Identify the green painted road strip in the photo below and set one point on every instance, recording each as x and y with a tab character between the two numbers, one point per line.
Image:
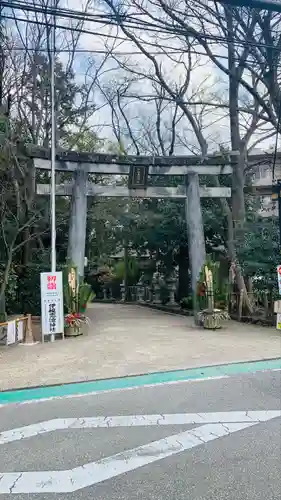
79	388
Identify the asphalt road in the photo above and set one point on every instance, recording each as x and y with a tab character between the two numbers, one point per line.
200	451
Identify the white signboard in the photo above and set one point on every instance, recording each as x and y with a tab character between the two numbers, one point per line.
52	317
277	306
11	332
20	331
279	278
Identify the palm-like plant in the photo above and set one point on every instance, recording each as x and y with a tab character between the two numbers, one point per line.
85	295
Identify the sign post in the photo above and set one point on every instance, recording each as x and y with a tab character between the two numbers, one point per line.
52	317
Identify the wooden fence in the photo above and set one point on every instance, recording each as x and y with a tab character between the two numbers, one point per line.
16	330
262	303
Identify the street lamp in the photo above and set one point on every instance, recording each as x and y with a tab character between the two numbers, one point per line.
53	148
53	145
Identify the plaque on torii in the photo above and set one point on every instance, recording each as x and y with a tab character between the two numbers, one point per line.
138	177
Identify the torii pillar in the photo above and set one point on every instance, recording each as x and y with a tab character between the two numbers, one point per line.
195	231
78	220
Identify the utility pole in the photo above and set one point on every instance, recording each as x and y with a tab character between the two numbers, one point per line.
276	196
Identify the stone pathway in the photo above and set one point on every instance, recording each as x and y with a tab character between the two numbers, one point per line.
130	340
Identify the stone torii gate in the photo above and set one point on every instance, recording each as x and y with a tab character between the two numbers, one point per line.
137	169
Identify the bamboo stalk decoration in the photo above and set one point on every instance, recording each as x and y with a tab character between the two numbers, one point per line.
211	318
210	288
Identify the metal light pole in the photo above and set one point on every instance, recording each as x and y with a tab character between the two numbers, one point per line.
53	151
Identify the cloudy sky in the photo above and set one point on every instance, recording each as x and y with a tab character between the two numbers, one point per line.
105	56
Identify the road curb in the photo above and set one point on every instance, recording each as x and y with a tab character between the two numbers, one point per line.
130	382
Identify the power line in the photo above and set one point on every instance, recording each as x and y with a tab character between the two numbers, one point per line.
212	38
108	19
83	30
75	29
117	52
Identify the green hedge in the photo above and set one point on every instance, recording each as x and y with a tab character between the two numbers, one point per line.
26	296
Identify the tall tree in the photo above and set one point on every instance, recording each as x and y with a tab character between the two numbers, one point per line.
191	28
